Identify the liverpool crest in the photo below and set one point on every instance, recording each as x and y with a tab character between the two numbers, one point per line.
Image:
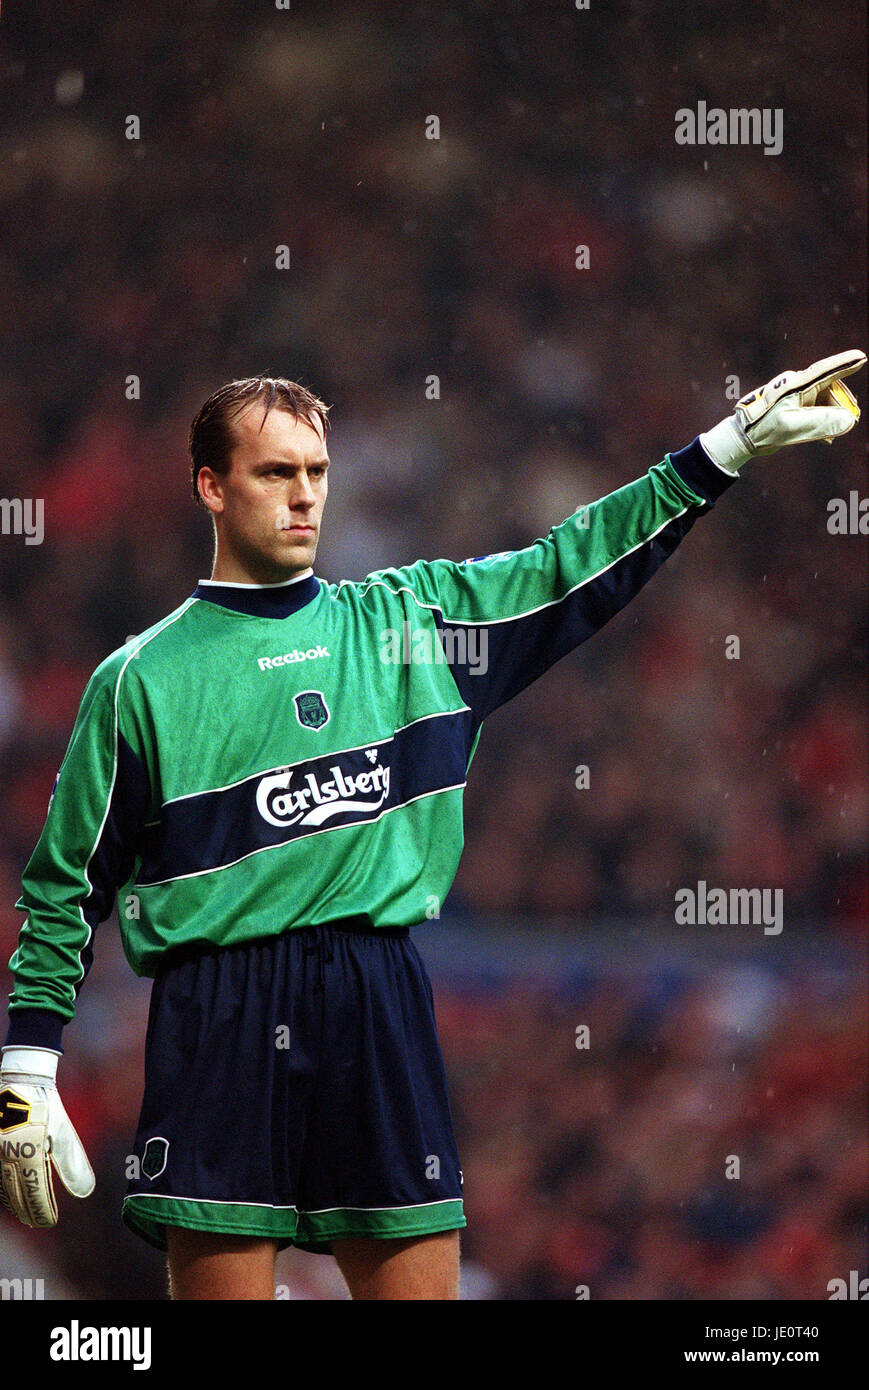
154	1158
311	710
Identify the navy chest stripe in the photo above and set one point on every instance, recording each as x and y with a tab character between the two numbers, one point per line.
218	828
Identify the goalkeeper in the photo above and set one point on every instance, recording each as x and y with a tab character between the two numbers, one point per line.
282	800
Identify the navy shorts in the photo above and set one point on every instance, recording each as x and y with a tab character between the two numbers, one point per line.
295	1089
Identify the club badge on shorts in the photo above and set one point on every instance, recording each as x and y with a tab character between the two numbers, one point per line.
154	1158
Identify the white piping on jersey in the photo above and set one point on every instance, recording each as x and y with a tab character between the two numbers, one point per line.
166	623
282	844
337	753
281	583
513	617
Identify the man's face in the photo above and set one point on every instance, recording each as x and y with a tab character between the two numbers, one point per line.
269	505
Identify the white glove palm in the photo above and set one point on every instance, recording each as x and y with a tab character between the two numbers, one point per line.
793	408
35	1132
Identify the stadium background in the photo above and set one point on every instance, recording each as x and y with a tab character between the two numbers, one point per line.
412	257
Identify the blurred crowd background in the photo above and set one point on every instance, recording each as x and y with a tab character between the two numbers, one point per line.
454	258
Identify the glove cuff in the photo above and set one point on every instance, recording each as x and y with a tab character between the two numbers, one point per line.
30	1061
727	445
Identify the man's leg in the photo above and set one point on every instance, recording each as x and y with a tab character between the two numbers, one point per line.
208	1265
420	1267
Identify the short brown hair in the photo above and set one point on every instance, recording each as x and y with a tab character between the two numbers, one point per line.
211	440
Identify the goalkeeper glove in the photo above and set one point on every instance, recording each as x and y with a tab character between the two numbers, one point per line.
34	1127
793	408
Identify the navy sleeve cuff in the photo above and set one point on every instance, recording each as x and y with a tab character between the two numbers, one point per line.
704	477
35	1028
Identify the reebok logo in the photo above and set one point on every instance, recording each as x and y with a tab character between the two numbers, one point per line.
268	663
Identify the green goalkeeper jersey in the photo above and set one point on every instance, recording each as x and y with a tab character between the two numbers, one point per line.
273	757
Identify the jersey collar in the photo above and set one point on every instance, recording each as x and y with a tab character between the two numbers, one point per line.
261	600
